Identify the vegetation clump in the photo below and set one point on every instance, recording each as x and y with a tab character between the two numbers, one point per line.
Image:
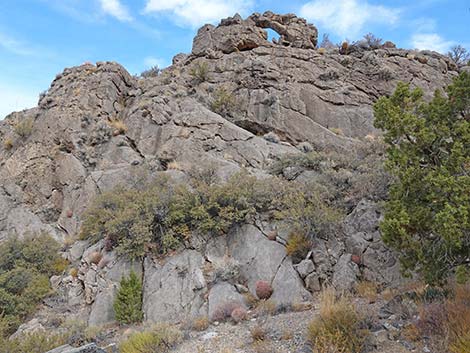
200	71
427	216
223	101
159	339
338	327
24	127
25	267
128	302
162	216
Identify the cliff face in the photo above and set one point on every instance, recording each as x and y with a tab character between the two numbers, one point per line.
236	101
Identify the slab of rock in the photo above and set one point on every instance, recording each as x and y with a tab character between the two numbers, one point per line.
221	294
345	274
175	289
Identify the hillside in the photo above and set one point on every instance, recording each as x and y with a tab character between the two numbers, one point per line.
237	103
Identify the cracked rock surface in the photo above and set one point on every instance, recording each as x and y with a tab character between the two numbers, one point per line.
286	98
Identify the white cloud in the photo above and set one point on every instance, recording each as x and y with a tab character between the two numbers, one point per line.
430	41
14	46
151	61
194	13
347	18
16	99
116	9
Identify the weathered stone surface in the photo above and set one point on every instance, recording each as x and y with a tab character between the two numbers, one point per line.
89	348
263	260
305	267
345	273
287	91
175	289
379	264
221	294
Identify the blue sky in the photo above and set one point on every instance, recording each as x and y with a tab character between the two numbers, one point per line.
39	38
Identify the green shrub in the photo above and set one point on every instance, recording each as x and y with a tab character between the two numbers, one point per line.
162	216
427	217
338	327
223	101
32	343
158	340
298	246
200	71
128	302
25	268
24	127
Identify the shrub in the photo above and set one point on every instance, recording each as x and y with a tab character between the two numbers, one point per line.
258	333
119	127
298	246
160	339
95	257
239	314
223	101
39	342
225	310
8	143
338	326
154	71
73	272
25	268
446	321
427	216
24	127
367	290
263	289
161	216
373	41
266	307
200	71
128	303
200	323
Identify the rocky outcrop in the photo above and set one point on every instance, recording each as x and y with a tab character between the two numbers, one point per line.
235	34
98	127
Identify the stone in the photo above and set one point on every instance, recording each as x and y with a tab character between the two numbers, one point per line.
221	294
304	268
263	260
345	274
175	289
312	282
89	348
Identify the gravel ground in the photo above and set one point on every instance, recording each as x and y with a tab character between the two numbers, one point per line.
284	334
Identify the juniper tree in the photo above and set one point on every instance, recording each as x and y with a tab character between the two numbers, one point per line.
427	216
128	302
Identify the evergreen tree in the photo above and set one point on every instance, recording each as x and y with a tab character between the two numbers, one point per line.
128	302
427	216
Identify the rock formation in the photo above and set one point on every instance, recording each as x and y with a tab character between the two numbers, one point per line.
286	97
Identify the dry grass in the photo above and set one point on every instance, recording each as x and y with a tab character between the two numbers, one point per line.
338	326
298	246
24	128
174	165
263	347
95	257
258	333
337	131
8	143
250	300
266	307
73	272
367	290
446	322
119	127
200	323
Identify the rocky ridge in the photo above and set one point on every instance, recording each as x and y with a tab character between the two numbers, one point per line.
287	97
